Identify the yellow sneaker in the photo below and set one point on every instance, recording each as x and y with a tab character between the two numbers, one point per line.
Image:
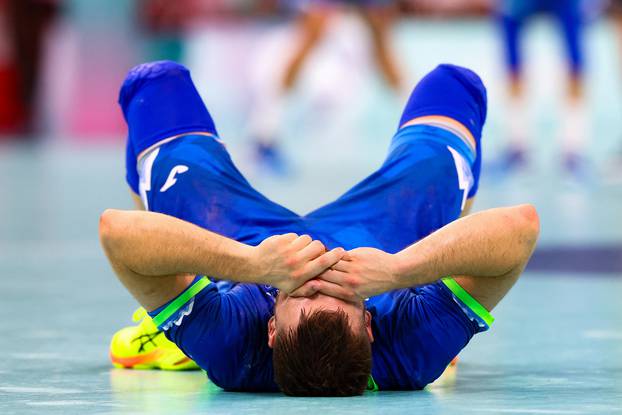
145	347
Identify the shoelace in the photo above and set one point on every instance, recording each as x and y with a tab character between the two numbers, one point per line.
148	331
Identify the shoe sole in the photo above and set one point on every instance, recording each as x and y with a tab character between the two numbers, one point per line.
149	361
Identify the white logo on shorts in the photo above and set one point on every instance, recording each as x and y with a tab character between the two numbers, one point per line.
180	316
171	180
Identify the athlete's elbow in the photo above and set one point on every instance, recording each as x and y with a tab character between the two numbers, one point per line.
109	228
529	226
531	220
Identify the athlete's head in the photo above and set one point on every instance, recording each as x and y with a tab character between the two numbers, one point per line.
322	345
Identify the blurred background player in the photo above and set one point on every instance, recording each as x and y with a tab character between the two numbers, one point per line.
616	13
25	24
312	24
514	16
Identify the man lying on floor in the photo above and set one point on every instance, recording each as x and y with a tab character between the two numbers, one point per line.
379	289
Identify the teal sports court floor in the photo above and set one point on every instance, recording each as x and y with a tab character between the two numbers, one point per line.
556	347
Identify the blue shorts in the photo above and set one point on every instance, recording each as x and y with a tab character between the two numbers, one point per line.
432	167
422	186
515	13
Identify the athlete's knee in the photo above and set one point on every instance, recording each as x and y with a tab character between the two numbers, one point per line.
156	69
530	221
452	91
141	74
473	84
454	78
159	100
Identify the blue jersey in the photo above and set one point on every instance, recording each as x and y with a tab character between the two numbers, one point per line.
430	171
417	332
223	327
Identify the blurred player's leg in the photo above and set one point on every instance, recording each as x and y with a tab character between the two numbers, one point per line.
379	19
570	21
617	19
518	121
311	26
575	118
429	176
268	116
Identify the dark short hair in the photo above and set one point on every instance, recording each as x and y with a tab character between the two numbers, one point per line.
322	356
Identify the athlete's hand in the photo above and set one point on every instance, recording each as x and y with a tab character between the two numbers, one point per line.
288	261
361	273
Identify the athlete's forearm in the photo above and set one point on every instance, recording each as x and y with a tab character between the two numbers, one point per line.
153	244
486	244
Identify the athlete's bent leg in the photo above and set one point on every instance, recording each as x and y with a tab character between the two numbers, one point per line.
432	168
159	101
458	93
177	164
179	167
433	165
452	98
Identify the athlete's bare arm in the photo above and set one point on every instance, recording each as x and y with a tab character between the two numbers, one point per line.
156	256
485	252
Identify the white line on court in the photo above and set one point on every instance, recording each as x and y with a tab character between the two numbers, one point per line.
26	389
602	334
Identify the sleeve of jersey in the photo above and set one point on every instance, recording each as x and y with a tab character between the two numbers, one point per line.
440	323
197	321
476	312
215	331
172	313
192	316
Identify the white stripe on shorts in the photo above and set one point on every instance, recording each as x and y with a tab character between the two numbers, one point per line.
465	176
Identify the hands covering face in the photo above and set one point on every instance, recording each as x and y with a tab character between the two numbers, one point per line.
289	261
302	267
361	273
